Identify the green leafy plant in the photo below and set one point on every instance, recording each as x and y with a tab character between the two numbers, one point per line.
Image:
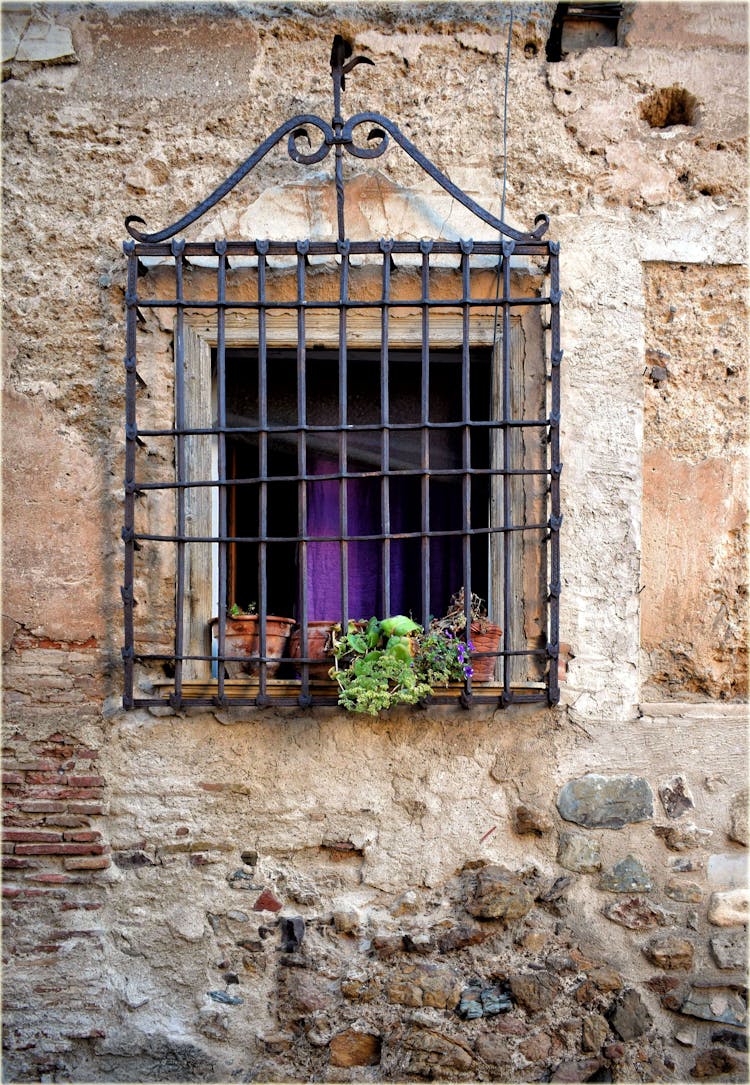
236	611
374	665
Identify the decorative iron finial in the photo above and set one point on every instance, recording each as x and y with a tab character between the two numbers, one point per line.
340	53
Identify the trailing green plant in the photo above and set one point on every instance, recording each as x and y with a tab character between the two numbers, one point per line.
378	664
374	665
236	611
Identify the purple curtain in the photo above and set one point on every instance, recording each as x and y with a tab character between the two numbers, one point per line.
365	579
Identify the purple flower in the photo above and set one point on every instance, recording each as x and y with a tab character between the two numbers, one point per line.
468	671
470	646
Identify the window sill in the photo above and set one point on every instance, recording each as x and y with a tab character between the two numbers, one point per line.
287	692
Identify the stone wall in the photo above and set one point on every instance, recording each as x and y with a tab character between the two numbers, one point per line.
433	895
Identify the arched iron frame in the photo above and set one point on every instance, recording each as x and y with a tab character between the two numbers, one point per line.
339	135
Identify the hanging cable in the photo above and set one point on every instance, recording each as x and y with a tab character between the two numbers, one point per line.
505	169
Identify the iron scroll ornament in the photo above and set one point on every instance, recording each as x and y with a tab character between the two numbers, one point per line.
340	135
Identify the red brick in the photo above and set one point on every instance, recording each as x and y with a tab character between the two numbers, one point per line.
11	863
11	891
83	751
86	781
49	879
267	902
82	838
46	778
60	849
82	793
80	906
87	863
83	808
30	836
43	806
12	778
68	821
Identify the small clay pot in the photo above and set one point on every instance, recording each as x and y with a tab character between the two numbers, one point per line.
242	638
486	638
318	634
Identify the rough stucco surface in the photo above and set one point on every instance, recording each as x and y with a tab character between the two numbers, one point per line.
150	863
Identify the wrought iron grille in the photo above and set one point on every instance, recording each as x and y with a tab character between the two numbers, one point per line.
369	444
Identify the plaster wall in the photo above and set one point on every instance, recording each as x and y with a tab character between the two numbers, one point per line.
150	861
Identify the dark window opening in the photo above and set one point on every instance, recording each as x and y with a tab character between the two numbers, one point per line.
384	511
582	26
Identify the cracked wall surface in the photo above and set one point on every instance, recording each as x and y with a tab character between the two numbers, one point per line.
444	894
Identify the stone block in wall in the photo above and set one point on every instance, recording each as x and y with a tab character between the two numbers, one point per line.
497	893
720	1004
355	1048
738	818
46	42
729	950
670	952
579	852
629	1016
606	802
627	876
729	909
727	871
675	797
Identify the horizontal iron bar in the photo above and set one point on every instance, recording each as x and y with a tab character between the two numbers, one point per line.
270	700
374	427
337	538
171	657
337	306
453	472
331	248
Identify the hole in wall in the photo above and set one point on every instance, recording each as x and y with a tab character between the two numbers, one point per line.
530	49
670	106
582	26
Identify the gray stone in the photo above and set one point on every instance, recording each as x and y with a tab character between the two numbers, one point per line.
606	802
729	950
687	892
668	951
738	820
675	797
238	917
628	1015
737	1040
637	914
292	933
499	894
225	999
729	909
470	1005
727	871
494	1001
627	876
579	853
573	1070
718	1004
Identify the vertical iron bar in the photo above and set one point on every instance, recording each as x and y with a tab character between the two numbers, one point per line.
555	469
425	248
508	247
466	523
178	247
343	248
131	298
302	248
221	406
338	124
262	248
386	247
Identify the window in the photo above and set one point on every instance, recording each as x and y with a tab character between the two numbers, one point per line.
344	428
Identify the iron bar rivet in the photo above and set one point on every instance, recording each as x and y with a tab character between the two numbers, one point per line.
556	357
128	247
261	246
177	246
425	246
131	297
555	522
386	245
509	246
221	247
555	296
303	247
554	247
467	245
556	470
554	418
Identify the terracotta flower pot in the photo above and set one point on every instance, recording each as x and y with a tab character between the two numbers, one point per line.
243	639
317	636
486	638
